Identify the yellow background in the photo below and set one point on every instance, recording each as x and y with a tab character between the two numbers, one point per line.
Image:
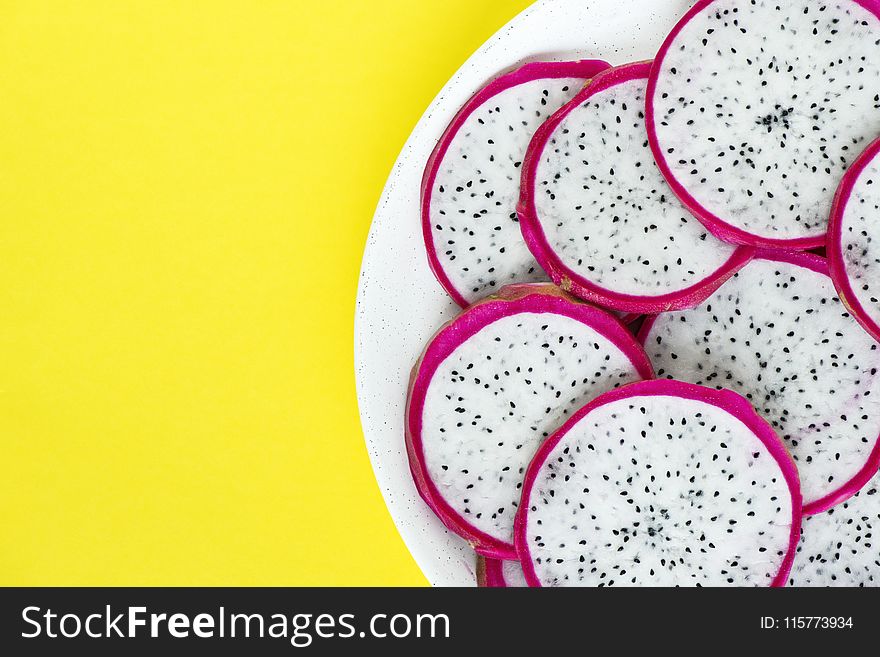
185	193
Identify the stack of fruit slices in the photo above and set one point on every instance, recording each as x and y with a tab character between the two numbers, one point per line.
657	377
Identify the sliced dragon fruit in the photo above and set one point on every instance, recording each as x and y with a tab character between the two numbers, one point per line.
494	573
840	547
778	334
471	182
756	108
491	386
597	214
660	483
853	254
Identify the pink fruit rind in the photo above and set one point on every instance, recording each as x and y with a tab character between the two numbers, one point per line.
715	224
834	247
850	487
726	400
490	573
584	69
565	277
511	300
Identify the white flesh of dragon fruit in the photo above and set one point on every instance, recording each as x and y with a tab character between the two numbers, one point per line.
853	244
598	214
661	488
841	547
477	237
778	334
758	107
513	574
499	393
471	183
475	242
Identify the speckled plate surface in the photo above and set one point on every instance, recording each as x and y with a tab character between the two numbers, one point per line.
400	304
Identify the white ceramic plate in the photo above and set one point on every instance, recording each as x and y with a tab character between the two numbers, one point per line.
400	304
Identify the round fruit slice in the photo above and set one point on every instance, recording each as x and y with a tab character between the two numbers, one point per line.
598	216
471	182
853	238
491	386
778	334
756	108
660	483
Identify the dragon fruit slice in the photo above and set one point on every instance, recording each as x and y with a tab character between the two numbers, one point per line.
660	483
840	547
853	255
755	108
494	573
778	334
597	214
471	182
491	386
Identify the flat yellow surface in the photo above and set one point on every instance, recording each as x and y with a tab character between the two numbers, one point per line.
185	193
